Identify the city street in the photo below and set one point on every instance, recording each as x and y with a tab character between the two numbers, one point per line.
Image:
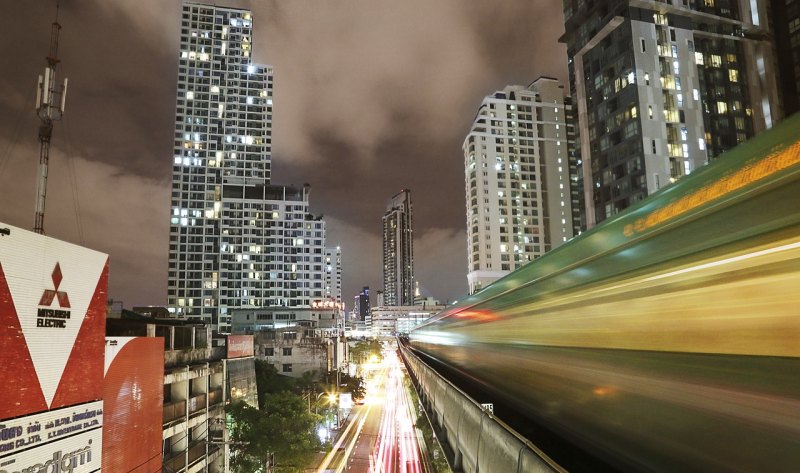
378	436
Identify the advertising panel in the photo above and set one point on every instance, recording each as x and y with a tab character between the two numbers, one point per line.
52	333
240	346
52	323
30	432
134	402
345	401
79	453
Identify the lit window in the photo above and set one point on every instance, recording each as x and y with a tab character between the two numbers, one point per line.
190	95
698	58
733	75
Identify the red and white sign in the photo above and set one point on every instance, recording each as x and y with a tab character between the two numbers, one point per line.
240	346
133	405
52	323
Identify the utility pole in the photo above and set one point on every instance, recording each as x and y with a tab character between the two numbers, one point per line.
50	101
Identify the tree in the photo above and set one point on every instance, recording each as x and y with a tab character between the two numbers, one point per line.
352	384
269	381
283	427
362	351
249	448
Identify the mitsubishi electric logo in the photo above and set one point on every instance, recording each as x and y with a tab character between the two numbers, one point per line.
52	317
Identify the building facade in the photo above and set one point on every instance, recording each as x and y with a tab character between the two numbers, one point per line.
389	321
521	179
333	275
235	239
361	304
223	139
398	250
786	27
662	88
257	319
300	349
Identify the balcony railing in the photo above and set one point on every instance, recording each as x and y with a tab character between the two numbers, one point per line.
214	397
197	451
197	403
174	410
176	463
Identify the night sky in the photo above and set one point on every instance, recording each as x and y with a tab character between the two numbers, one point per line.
370	97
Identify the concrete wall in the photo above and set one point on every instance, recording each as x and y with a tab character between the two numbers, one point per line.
473	439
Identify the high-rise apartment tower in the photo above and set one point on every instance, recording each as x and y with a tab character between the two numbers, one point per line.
333	274
235	239
398	251
521	179
786	27
662	88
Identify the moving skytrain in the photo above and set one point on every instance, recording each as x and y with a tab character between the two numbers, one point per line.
668	337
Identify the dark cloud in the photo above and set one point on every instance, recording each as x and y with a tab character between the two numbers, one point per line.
370	98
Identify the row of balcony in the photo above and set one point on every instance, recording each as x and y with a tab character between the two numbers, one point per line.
196	451
178	409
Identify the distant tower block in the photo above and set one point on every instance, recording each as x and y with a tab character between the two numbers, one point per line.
50	101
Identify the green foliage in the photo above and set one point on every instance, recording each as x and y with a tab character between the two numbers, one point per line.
362	351
347	384
269	381
284	427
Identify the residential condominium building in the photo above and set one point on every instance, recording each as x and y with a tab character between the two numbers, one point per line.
398	250
235	239
662	88
786	26
333	275
521	179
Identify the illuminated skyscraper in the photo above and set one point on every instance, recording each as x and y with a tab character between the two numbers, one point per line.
521	179
662	88
786	20
333	274
235	239
398	251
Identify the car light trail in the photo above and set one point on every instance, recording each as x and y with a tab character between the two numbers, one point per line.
329	457
396	449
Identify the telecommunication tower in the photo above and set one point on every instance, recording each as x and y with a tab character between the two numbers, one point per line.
50	101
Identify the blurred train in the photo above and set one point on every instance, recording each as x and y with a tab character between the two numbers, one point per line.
665	339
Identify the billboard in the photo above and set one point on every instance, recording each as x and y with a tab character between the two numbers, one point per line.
240	346
52	333
24	440
78	453
133	404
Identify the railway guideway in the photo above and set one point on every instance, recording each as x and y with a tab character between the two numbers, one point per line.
472	438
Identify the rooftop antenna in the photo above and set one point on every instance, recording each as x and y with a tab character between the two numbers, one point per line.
50	101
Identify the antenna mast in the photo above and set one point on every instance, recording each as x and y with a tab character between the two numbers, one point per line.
50	101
